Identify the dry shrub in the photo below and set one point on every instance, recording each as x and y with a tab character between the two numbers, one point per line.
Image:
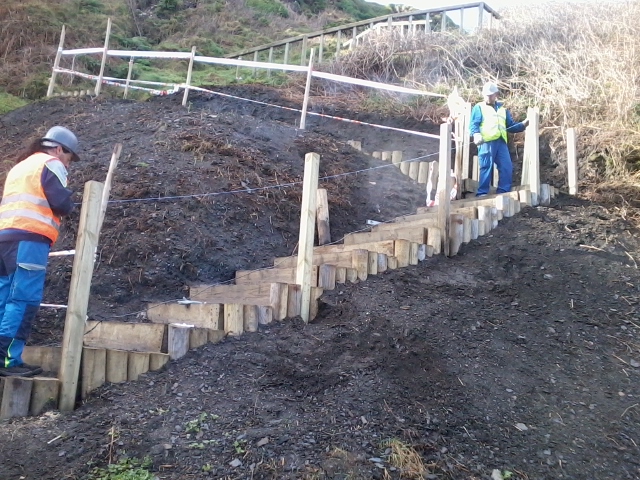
579	63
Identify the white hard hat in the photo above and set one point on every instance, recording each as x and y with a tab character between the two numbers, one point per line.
489	89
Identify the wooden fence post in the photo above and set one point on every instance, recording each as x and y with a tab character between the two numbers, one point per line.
56	64
324	230
572	161
305	102
185	97
88	232
104	57
129	73
304	267
444	185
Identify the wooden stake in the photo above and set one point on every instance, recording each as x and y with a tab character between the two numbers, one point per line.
304	268
402	252
413	253
386	156
94	369
16	396
86	244
456	234
185	96
423	172
444	185
251	318
532	144
382	262
341	274
572	161
352	274
178	340
56	63
414	169
327	277
104	62
294	303
115	156
545	194
44	395
129	73
322	207
305	101
138	364
361	263
396	158
157	361
233	319
200	336
117	362
373	263
466	147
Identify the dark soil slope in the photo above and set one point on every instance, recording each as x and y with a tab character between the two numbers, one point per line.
521	354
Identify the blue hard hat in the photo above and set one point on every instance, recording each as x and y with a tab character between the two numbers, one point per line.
61	136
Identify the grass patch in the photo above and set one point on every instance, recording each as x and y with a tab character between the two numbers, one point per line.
10	102
124	469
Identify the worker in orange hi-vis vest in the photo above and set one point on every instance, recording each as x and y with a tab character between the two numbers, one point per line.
490	122
35	196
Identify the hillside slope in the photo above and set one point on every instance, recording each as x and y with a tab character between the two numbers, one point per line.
30	29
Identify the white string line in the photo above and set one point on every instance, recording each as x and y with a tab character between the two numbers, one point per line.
342	119
269	187
226	282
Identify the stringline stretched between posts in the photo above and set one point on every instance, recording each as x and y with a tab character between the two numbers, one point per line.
275	265
328	177
226	282
269	187
342	119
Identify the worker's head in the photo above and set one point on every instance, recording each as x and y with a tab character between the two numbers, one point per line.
490	92
62	143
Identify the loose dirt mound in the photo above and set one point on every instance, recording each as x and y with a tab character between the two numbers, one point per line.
519	354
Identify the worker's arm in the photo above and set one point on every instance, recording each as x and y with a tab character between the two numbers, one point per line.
514	127
54	181
476	120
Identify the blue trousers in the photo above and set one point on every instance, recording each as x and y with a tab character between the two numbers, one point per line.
490	153
23	267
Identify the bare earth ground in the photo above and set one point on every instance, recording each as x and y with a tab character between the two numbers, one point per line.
520	354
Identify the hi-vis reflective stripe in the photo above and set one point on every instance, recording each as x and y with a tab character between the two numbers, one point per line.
25	197
29	214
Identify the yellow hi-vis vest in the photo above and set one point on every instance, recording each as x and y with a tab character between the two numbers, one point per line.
494	122
24	205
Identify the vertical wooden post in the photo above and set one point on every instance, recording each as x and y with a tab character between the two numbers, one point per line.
572	161
303	56
129	73
480	12
443	21
321	51
270	60
338	43
255	59
532	144
353	38
104	57
305	102
304	268
286	53
56	63
462	20
396	157
238	69
185	97
115	156
457	169
444	185
324	230
88	232
427	23
466	143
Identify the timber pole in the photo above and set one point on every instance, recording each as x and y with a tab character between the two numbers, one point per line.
83	262
56	64
304	267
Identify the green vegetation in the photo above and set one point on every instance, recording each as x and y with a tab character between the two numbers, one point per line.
125	469
9	102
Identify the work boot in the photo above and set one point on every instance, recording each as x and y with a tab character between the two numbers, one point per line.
24	370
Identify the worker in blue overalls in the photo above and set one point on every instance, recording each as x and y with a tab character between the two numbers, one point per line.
490	122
